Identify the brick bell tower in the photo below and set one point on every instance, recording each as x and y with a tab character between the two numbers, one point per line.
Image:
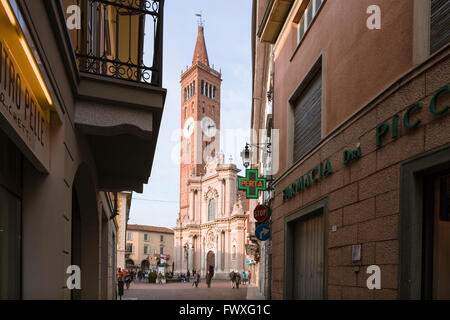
200	118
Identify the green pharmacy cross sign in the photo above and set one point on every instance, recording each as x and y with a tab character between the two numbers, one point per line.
252	184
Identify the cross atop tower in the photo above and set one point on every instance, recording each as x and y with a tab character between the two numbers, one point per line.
200	19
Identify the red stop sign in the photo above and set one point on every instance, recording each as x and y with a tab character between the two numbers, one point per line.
261	213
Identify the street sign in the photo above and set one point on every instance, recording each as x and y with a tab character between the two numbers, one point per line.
262	232
251	261
261	213
252	184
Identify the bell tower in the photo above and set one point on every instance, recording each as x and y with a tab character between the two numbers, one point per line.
200	119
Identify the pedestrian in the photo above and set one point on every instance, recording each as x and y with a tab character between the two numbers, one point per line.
160	278
208	279
120	284
128	280
238	279
197	279
232	278
188	276
249	277
244	278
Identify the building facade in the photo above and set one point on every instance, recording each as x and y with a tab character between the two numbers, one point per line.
124	204
145	245
361	176
212	226
77	104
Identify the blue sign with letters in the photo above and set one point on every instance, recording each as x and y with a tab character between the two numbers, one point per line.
262	232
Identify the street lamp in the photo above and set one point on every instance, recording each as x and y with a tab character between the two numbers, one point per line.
246	156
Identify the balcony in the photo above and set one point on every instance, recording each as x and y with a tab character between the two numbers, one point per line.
119	94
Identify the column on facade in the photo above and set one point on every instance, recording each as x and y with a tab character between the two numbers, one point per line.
227	197
219	250
191	205
216	256
190	255
223	196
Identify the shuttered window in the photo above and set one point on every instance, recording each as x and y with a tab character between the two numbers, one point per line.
308	115
440	24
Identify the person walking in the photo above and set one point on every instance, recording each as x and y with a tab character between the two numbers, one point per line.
120	284
249	277
197	279
238	279
244	278
160	278
188	276
233	279
209	276
128	280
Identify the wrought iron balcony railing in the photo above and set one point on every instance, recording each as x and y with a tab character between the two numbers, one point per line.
111	42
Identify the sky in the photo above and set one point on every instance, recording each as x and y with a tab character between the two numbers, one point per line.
227	27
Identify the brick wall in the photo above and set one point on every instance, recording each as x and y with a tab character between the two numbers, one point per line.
363	197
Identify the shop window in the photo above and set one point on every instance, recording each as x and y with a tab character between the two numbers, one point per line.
308	116
440	24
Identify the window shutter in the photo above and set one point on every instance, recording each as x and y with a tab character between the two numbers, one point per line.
308	116
440	24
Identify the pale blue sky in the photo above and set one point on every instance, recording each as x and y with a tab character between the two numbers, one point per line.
228	40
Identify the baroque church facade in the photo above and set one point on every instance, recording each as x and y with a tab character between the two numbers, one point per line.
213	224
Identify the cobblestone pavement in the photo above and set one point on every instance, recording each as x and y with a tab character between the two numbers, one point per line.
220	290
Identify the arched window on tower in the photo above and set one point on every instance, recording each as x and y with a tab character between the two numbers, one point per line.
214	93
203	87
212	210
193	88
185	94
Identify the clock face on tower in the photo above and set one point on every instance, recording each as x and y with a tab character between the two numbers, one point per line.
188	128
209	127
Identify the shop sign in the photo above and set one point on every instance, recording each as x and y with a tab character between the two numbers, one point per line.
21	110
383	128
319	172
252	184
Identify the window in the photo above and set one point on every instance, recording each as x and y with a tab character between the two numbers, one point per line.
307	18
308	114
203	87
214	93
212	210
145	249
146	237
129	236
161	238
193	88
440	24
129	247
161	250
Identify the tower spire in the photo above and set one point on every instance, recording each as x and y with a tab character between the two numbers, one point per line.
200	52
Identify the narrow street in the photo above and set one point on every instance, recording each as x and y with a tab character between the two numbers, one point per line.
220	290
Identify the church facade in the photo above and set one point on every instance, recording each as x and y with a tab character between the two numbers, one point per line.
212	227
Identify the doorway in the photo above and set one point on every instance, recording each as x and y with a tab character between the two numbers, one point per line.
211	261
305	256
425	226
436	231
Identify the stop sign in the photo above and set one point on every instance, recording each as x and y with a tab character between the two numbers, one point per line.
261	213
